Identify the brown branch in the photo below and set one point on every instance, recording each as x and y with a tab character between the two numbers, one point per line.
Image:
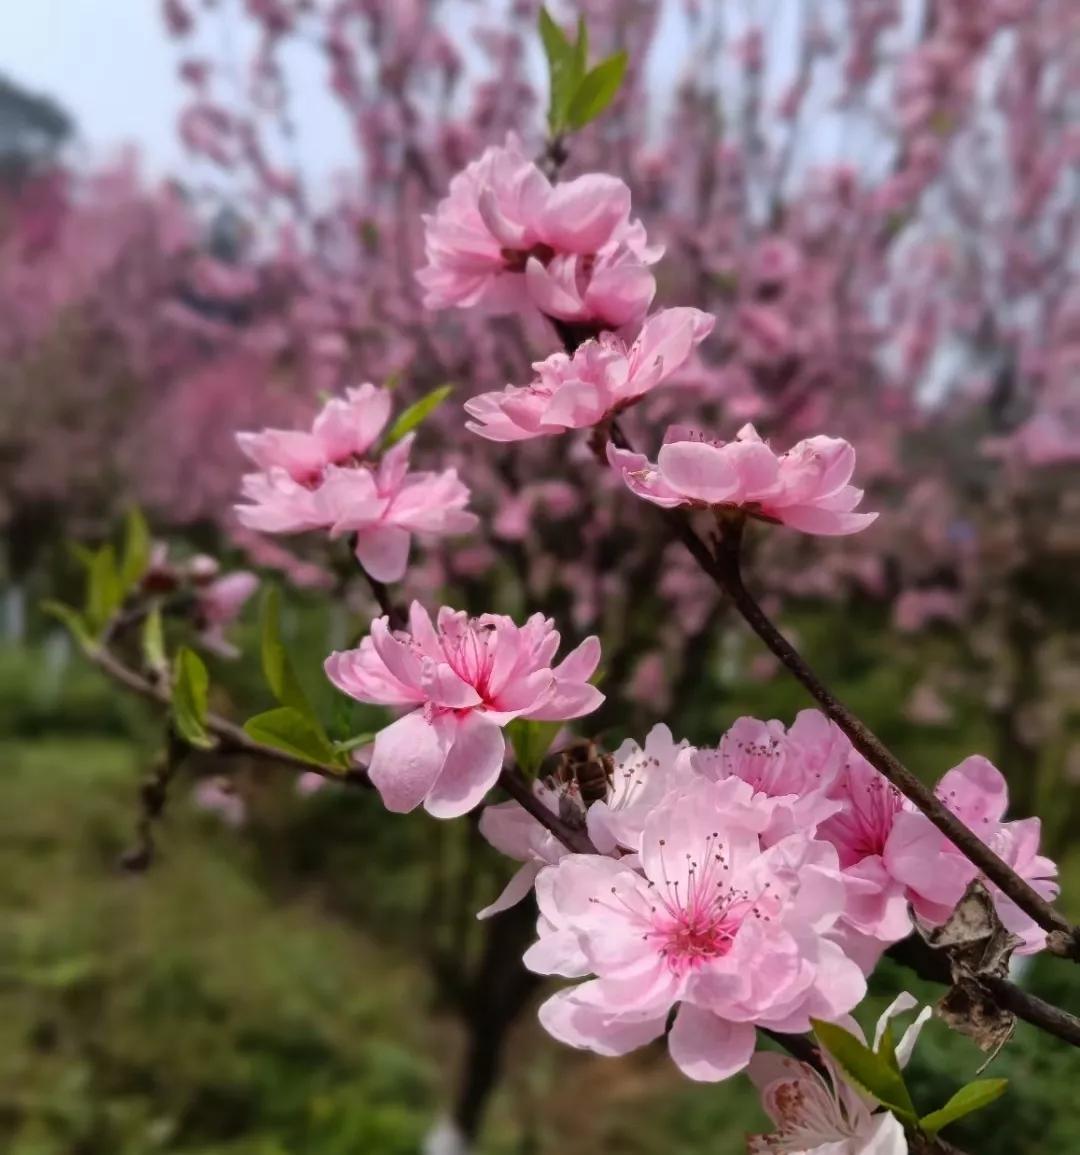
933	966
398	617
1032	1009
519	788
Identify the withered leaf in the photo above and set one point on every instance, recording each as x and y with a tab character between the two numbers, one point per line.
977	945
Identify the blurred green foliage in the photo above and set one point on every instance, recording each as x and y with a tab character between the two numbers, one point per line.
269	991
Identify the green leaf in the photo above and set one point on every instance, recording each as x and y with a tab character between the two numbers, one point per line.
72	619
81	553
190	696
973	1097
280	676
285	728
416	413
348	744
136	548
153	642
871	1073
531	740
104	591
596	91
566	67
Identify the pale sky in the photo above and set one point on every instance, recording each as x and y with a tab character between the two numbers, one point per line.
112	66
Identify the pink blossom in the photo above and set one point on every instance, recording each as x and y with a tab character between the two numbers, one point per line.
806	488
219	796
345	429
505	235
640	780
860	831
464	679
603	377
791	771
323	480
513	831
823	1113
218	604
936	873
733	935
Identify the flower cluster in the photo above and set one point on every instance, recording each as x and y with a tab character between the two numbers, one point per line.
806	488
603	376
325	479
462	680
506	237
753	884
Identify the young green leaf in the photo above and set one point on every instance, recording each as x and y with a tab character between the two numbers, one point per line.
971	1098
531	740
287	729
868	1071
280	676
190	696
153	642
136	555
596	91
566	67
416	413
72	619
104	591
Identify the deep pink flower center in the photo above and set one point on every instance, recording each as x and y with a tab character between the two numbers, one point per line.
862	828
471	655
698	915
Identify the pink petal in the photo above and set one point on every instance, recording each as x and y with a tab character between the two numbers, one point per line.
406	760
383	551
707	1048
514	891
699	471
580	664
572	1021
471	769
669	337
581	214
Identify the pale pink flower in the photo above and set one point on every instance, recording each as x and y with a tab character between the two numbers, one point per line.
806	488
323	480
464	679
604	376
513	831
218	604
818	1114
385	506
504	235
606	289
218	796
860	829
344	430
732	935
791	770
640	780
936	873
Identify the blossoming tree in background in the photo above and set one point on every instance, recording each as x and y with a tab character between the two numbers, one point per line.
823	328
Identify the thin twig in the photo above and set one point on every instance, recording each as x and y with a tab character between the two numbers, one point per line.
518	787
231	738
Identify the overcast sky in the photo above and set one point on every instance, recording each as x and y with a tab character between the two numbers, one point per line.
112	66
